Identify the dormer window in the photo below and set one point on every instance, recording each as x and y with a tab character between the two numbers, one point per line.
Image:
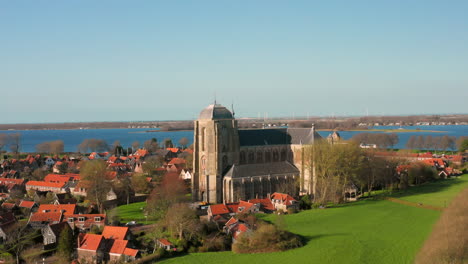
81	219
97	219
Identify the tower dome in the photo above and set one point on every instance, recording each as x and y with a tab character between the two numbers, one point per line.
215	111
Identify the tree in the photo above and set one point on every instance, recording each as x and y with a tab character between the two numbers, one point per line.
462	144
62	167
183	142
168	143
38	174
65	244
410	144
429	143
151	145
3	141
170	191
20	236
117	149
93	145
152	163
180	220
135	145
393	139
139	183
14	141
55	147
419	144
94	172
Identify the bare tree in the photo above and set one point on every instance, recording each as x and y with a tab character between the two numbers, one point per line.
135	145
14	141
410	144
55	147
94	171
183	142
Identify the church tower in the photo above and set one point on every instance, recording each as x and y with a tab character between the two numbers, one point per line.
216	149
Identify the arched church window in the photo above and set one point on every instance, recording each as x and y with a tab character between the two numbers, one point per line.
275	155
283	155
225	162
259	157
203	165
242	157
203	139
251	157
267	156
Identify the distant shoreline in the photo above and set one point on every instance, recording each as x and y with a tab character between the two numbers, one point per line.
388	130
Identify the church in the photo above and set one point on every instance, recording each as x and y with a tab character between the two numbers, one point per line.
232	163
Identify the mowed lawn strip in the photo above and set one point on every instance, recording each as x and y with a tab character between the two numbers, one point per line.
361	232
133	212
438	193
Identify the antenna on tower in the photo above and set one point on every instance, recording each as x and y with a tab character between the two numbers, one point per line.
215	98
232	108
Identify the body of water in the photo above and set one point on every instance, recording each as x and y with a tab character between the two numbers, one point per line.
72	138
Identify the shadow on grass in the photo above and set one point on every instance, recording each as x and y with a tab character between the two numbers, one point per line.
429	187
307	239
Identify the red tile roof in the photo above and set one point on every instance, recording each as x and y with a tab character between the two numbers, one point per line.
45	217
177	161
118	246
32	184
130	252
285	198
165	242
66	208
88	219
62	178
265	203
8	205
217	209
90	242
9	180
174	150
231	221
114	232
244	206
27	204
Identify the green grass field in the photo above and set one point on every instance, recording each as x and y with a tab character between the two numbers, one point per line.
133	212
438	193
368	231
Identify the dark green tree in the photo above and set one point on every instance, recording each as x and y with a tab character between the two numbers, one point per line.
65	244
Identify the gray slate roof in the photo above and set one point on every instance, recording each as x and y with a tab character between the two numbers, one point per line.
215	111
273	168
277	136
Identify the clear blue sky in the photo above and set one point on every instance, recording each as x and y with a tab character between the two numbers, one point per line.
158	60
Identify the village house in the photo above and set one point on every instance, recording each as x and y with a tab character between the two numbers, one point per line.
284	202
51	233
90	248
165	244
41	219
56	187
84	222
6	220
10	184
186	174
111	245
30	206
9	207
235	228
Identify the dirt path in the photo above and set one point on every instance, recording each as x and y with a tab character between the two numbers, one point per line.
430	207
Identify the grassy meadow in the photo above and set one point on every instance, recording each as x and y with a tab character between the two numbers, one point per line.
438	193
367	231
133	212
